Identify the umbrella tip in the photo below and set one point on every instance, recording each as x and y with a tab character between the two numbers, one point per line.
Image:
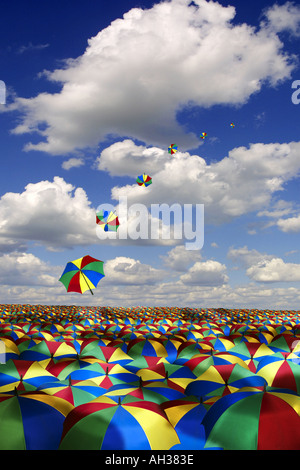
16	391
119	401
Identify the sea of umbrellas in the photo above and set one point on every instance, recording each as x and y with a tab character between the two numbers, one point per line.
148	378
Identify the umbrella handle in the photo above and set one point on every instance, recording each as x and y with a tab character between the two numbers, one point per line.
87	283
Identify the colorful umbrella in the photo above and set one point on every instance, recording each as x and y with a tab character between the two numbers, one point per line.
203	135
172	149
222	380
254	420
200	362
149	347
186	417
232	124
104	375
48	349
107	220
144	180
74	391
174	375
31	421
280	371
127	425
22	375
82	274
155	392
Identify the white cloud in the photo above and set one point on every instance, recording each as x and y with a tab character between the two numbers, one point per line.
54	214
26	269
31	47
247	258
178	259
137	73
206	273
72	163
291	224
241	183
284	17
123	271
274	270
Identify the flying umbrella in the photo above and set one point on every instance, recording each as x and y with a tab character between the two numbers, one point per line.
82	274
31	421
144	180
172	149
203	135
107	220
232	124
128	425
254	420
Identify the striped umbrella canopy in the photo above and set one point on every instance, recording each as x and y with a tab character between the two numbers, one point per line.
281	370
130	424
254	420
172	149
22	375
103	374
74	391
62	368
145	390
200	362
222	380
11	349
186	415
46	349
144	180
82	274
105	353
107	220
149	347
145	361
31	421
174	375
251	353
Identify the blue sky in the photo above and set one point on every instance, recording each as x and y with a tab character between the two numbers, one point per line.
96	93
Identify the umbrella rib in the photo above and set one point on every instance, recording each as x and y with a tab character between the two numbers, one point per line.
87	283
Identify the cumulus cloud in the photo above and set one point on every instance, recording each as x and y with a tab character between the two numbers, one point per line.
178	259
26	269
284	17
123	271
243	182
54	214
246	257
274	270
206	273
136	74
291	224
72	163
